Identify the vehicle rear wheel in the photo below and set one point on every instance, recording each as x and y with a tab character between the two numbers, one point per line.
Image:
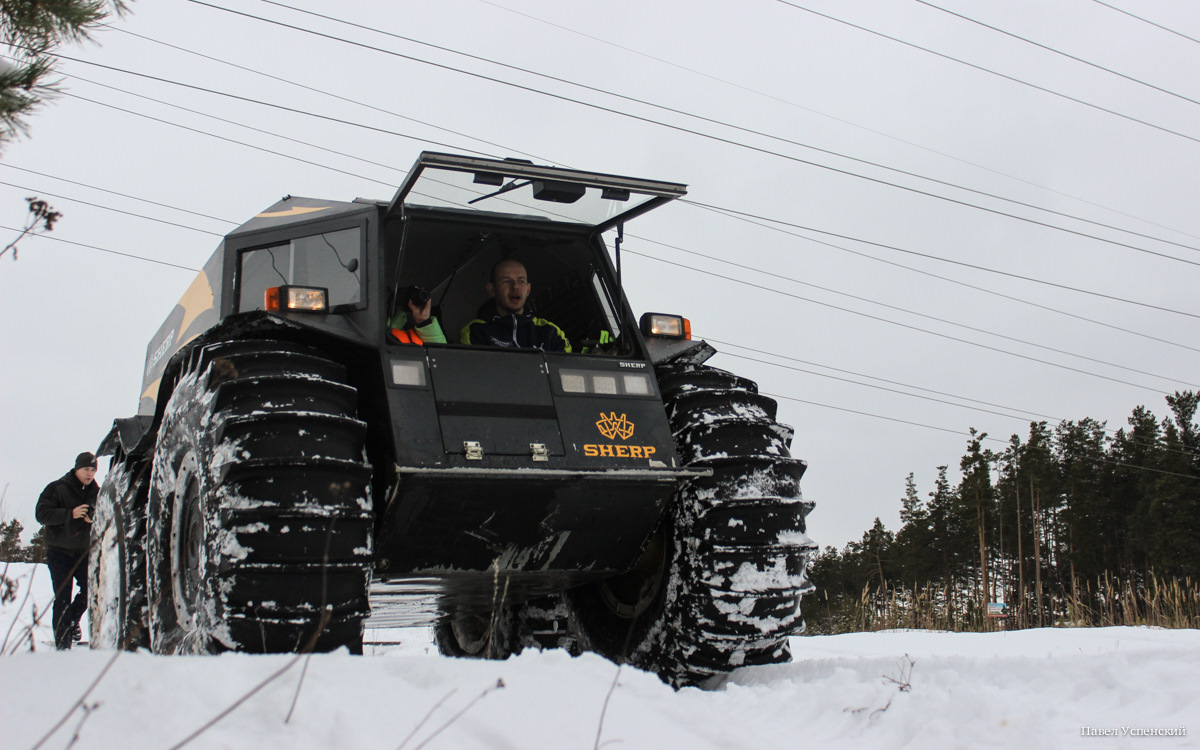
117	559
718	585
260	512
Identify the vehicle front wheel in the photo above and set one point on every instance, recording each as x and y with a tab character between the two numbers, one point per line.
260	512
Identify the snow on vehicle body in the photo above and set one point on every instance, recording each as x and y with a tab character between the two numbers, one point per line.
282	459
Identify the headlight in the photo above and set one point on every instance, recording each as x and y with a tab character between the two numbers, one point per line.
296	298
408	372
605	383
671	326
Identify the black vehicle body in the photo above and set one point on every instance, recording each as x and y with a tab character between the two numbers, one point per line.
543	471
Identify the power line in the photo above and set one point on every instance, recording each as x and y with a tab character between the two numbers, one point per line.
685	201
348	100
930	274
227	140
920	314
931	317
988	71
710	136
1056	420
895	323
1058	52
272	105
106	250
724	123
960	432
241	125
1019	340
110	208
114	192
843	121
1145	20
943	260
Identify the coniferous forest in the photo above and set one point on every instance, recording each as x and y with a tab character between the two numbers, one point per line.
1072	524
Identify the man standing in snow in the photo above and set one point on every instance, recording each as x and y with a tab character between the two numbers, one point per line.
65	509
506	319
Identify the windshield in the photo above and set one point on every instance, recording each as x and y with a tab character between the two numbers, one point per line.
330	260
520	189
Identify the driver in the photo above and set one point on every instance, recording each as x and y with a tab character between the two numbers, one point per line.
507	319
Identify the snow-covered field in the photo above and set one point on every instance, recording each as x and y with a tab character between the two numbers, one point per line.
1030	689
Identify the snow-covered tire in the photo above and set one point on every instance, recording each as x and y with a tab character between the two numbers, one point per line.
260	511
117	559
719	584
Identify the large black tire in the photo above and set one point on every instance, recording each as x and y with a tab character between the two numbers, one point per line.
260	511
719	584
117	558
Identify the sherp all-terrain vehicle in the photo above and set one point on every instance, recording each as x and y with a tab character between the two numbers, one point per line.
292	453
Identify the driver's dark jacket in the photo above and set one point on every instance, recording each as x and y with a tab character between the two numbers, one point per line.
54	508
516	330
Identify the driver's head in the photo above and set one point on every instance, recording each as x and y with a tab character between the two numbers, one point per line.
509	286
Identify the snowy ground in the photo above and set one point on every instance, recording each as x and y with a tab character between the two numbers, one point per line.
1029	689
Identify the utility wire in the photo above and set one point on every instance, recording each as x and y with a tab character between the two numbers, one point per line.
844	309
930	274
272	105
240	124
895	322
841	120
110	208
1145	20
713	137
834	118
1058	52
106	250
122	195
724	123
872	301
944	260
847	380
988	71
290	109
945	321
348	100
1019	340
973	343
989	438
960	432
227	140
1045	417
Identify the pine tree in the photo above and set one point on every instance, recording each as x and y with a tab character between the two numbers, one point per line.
10	542
1135	454
36	551
975	491
1088	515
32	30
1175	509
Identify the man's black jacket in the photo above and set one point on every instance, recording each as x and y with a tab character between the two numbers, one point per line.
515	330
54	509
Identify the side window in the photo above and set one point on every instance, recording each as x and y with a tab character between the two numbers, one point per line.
330	260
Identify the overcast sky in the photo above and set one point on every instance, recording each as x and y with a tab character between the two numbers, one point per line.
867	312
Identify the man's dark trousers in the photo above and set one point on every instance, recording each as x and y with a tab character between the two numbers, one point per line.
67	612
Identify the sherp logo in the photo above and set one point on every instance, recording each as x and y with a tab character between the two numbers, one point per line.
611	426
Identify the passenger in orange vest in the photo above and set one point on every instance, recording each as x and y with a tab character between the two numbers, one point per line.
418	325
